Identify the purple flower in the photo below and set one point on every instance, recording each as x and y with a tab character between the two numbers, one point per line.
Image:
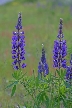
71	60
23	65
69	70
60	49
40	67
43	66
19	26
18	44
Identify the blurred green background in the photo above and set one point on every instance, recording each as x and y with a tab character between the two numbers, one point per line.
40	21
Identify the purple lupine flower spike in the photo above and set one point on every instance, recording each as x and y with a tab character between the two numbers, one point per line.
43	66
60	33
18	44
69	70
19	26
71	60
60	49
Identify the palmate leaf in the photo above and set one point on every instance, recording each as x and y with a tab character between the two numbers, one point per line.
46	101
15	75
18	75
61	73
13	83
42	98
13	90
62	88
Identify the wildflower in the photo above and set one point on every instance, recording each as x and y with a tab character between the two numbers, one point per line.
69	70
18	44
60	49
43	66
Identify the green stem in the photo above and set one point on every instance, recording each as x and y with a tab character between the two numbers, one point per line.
59	88
27	89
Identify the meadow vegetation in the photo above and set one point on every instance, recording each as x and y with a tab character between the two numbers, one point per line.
40	21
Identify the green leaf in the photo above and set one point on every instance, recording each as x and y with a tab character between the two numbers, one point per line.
37	82
46	101
18	75
14	83
13	90
39	76
58	72
63	73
